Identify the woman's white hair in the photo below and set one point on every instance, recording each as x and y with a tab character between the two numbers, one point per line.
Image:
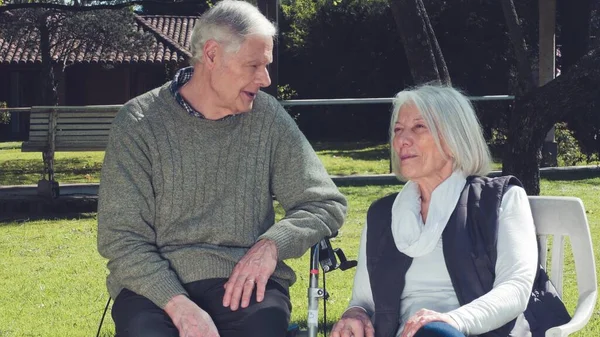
229	22
451	119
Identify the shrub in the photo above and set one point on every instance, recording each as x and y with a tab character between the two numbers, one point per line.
4	115
569	151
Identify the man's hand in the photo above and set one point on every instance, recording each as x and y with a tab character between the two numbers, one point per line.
190	320
422	317
354	323
256	267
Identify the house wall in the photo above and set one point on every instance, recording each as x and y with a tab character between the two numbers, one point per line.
20	86
81	84
94	84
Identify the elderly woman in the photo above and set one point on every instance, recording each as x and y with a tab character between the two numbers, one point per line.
454	253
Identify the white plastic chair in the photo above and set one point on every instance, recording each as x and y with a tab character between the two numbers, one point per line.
560	217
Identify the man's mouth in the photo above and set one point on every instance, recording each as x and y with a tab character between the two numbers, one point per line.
250	94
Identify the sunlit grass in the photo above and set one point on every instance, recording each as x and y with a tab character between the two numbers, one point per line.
25	168
53	278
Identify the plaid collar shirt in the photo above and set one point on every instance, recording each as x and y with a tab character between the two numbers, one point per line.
181	78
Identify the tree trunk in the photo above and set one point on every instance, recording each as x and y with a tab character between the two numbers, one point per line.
575	30
535	113
525	77
49	90
522	156
425	58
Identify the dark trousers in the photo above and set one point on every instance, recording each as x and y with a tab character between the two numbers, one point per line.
136	316
438	329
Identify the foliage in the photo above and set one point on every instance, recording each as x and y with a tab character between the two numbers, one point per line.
569	153
285	92
175	7
102	31
59	35
4	115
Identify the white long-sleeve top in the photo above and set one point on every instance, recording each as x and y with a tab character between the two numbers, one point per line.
428	283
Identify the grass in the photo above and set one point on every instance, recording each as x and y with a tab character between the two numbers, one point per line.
52	278
25	168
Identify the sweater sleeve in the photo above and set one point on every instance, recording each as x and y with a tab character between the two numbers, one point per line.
362	297
126	234
314	208
516	267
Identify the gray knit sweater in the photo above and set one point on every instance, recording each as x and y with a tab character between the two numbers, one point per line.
183	199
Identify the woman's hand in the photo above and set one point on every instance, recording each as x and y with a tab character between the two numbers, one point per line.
354	323
422	317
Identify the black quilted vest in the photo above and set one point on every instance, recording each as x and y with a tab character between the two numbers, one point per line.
469	246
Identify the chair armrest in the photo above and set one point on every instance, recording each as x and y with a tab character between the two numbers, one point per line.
583	312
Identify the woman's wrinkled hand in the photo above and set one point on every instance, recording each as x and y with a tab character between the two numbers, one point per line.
354	323
421	318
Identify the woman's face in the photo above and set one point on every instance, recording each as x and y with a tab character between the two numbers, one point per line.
420	159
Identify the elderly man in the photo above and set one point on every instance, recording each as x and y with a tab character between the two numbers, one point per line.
186	215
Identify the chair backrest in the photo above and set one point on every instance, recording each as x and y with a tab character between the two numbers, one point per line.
562	217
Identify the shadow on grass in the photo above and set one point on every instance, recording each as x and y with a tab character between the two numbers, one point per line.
18	219
370	154
354	150
303	326
344	146
574	175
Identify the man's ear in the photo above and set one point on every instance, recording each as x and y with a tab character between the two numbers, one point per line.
209	53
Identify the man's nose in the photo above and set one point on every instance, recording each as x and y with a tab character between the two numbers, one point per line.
263	78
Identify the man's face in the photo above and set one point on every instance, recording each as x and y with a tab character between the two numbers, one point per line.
238	76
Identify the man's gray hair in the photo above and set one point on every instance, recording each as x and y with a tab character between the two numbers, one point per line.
229	22
451	119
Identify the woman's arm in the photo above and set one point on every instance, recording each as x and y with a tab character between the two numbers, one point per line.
516	267
361	291
356	320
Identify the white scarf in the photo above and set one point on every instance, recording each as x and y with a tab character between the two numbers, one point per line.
411	235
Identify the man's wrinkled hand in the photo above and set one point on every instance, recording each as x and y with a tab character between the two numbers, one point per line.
354	323
254	269
190	320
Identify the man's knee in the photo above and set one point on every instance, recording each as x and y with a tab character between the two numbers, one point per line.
135	315
264	322
268	318
148	324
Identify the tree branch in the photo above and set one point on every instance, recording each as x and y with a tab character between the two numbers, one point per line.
525	73
413	25
84	8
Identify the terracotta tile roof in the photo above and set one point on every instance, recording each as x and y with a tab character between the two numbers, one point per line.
171	44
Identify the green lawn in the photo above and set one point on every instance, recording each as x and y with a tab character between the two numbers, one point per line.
21	168
52	278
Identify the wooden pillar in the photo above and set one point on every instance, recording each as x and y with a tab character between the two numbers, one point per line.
547	68
270	8
14	100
